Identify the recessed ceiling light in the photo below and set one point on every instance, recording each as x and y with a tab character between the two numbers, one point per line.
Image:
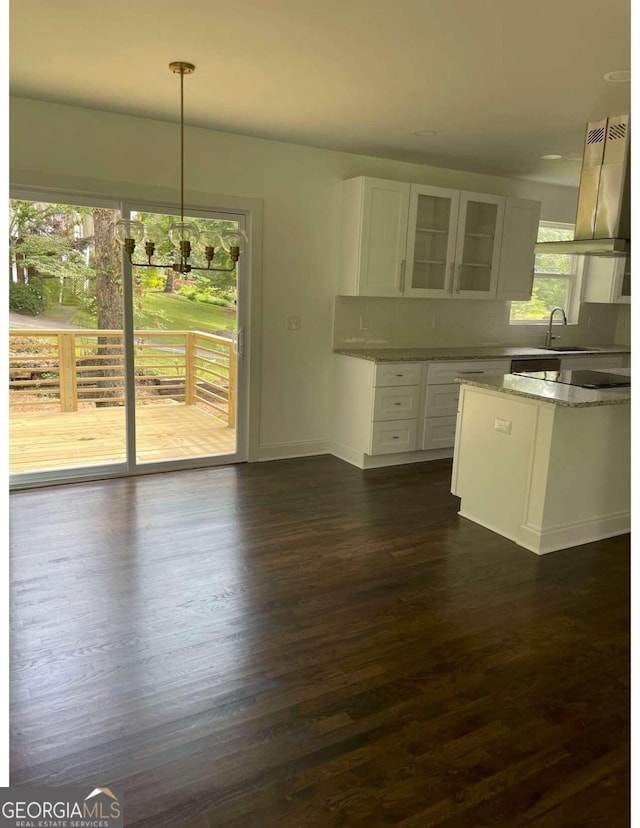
550	157
621	76
425	133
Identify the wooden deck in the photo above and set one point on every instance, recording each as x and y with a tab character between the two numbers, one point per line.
45	440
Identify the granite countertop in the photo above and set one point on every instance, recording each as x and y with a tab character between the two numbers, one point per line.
471	352
556	393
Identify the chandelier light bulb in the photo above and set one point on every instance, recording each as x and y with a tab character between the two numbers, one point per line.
183	231
153	234
128	229
234	238
210	238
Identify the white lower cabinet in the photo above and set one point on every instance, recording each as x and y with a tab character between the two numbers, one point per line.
442	400
389	413
439	432
396	403
441	397
391	437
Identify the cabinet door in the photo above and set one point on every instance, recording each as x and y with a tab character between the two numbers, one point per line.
431	240
517	256
608	280
478	242
623	282
385	211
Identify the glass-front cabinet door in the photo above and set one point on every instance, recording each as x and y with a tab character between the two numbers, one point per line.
477	255
624	296
431	241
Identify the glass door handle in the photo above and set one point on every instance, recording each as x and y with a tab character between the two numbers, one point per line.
238	342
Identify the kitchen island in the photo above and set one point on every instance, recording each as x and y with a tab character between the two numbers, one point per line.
544	464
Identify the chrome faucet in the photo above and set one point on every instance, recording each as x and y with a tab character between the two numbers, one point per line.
549	336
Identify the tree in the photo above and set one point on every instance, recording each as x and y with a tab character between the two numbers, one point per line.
106	261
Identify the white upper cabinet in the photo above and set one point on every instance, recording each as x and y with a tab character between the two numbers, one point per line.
608	280
478	246
517	256
416	240
373	237
431	241
453	243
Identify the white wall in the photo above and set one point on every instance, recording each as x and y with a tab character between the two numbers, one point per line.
88	151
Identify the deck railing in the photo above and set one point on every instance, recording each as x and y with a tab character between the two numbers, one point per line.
72	369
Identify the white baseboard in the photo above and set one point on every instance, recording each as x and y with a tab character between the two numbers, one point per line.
574	534
379	461
349	455
562	537
284	451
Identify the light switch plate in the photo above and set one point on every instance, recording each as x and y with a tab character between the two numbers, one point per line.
294	322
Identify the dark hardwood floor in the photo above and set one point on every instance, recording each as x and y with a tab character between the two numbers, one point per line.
300	643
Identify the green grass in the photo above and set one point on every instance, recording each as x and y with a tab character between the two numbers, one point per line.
168	312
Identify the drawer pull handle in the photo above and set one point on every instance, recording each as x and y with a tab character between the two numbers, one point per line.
396	436
399	375
397	403
472	372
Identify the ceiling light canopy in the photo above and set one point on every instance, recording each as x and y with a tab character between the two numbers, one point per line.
551	157
183	235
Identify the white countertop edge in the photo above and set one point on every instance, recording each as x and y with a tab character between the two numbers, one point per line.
546	391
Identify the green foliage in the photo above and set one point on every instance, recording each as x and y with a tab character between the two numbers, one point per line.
169	312
198	294
50	256
548	293
25	298
49	287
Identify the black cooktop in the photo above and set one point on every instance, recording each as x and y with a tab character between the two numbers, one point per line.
583	378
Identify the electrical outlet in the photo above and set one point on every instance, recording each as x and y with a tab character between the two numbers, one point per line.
364	322
503	426
294	322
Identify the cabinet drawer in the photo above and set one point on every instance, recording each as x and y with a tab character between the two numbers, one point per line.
442	400
396	403
442	373
388	438
399	373
439	432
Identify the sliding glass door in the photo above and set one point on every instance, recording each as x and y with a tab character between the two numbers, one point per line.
118	369
185	355
66	355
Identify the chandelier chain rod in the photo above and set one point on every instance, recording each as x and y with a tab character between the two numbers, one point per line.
182	145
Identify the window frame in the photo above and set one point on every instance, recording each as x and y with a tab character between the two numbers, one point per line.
574	278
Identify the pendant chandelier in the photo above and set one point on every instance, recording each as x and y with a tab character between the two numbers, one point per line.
184	235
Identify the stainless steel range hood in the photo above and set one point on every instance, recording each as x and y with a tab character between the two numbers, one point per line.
603	221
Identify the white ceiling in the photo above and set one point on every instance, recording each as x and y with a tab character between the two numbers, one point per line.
501	81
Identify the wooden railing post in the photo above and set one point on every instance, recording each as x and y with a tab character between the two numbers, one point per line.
232	387
190	368
67	372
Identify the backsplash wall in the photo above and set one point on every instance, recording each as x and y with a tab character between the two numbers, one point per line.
361	322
